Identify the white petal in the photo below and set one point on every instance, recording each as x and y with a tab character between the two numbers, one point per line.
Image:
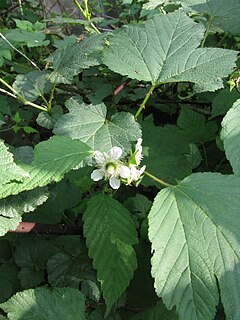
124	172
97	175
99	157
115	153
139	144
114	183
142	170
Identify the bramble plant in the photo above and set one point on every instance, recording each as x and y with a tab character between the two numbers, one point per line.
119	161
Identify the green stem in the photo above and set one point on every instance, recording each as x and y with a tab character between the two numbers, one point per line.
8	86
210	21
29	103
20	6
49	104
16	95
8	93
79	7
95	28
160	181
86	14
142	106
7	129
205	154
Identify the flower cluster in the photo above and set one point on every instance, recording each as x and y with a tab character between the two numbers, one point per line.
111	167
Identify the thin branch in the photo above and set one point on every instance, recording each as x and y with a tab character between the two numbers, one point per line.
12	46
38	228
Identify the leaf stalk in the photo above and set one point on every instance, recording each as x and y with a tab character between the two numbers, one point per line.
160	181
210	21
16	95
142	105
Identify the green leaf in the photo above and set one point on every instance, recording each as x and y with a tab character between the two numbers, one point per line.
24	154
226	13
88	123
167	147
223	101
33	84
62	20
194	156
47	120
62	196
33	252
12	207
65	270
30	39
71	60
7	224
8	169
5	53
157	312
30	278
194	231
45	304
195	127
110	234
28	201
230	135
24	24
9	280
52	159
31	255
164	49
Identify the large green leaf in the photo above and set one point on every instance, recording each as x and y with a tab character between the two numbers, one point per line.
9	171
110	234
164	49
71	60
28	38
52	159
166	156
88	123
31	256
231	136
45	304
194	231
32	84
223	101
66	270
226	13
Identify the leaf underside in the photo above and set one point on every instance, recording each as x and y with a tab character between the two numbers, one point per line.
53	158
165	49
230	135
41	303
226	13
194	231
88	123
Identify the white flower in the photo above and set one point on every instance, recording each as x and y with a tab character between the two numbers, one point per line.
110	167
135	173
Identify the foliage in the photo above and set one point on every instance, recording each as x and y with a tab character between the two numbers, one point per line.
119	146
